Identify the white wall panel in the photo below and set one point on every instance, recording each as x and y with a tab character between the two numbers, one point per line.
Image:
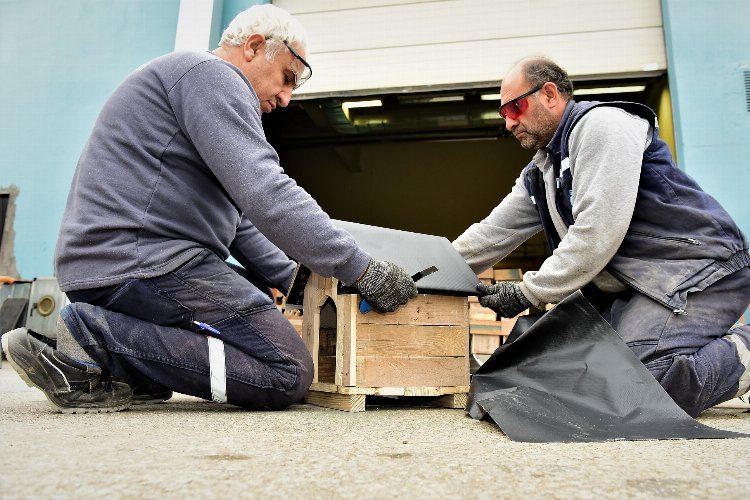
369	44
194	25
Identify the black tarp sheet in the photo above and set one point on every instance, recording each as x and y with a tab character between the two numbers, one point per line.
570	378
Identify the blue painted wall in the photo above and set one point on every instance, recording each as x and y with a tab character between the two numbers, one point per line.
60	61
708	51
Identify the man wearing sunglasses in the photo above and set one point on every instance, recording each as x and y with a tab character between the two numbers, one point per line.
176	177
663	262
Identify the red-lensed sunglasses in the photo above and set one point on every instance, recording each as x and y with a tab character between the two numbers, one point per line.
516	107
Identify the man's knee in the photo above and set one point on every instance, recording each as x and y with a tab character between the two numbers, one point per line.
291	384
702	380
304	369
684	379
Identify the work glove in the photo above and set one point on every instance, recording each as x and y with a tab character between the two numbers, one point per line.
386	286
505	298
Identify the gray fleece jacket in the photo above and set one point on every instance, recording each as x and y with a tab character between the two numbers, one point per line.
178	162
606	152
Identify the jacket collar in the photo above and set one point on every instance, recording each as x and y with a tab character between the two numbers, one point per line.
556	142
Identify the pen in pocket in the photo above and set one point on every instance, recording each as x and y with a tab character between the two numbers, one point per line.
205	326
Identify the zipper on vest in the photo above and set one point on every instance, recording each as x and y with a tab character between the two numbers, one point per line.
689	241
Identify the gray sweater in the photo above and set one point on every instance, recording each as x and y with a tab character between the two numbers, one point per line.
178	162
606	151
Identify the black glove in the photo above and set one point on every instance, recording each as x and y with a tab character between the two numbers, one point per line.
505	298
386	286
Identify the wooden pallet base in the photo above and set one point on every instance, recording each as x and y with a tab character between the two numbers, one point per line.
353	399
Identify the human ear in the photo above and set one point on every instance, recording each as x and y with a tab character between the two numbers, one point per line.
252	45
550	92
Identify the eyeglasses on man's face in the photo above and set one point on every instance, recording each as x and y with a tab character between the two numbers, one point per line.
516	107
300	78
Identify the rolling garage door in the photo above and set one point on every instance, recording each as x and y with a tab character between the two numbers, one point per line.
359	47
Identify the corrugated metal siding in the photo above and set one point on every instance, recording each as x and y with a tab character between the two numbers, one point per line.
361	45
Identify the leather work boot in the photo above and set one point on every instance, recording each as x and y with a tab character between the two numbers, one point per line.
148	392
70	387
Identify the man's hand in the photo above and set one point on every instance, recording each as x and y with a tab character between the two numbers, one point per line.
505	298
386	286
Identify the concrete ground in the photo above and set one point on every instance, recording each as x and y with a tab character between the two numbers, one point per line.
192	448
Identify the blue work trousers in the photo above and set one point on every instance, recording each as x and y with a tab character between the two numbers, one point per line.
144	328
701	358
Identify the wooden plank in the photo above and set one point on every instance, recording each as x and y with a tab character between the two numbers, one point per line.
482	316
317	291
356	402
486	276
411	340
326	287
508	275
484	344
381	371
311	323
477	312
459	400
390	391
467	363
346	402
489	328
423	310
508	324
347	317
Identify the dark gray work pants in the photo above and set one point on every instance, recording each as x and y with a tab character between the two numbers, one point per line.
700	358
144	329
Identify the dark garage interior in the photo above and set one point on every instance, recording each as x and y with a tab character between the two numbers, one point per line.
425	161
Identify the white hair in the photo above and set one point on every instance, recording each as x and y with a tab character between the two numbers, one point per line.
274	23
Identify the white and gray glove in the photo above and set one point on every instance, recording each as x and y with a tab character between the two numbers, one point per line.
386	286
505	298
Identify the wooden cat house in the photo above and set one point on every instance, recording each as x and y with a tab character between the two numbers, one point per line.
422	349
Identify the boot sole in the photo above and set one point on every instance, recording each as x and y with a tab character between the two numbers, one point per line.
153	401
22	373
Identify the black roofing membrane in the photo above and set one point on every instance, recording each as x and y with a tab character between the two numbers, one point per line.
570	378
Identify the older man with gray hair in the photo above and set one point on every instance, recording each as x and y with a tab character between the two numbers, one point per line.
176	177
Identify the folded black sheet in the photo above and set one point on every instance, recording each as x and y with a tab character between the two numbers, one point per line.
570	378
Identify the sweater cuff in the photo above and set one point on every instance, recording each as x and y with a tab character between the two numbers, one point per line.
354	268
535	301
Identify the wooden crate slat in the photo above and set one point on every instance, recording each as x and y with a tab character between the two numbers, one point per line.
480	327
454	401
411	340
508	275
346	402
390	391
486	276
347	317
377	371
484	344
423	310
